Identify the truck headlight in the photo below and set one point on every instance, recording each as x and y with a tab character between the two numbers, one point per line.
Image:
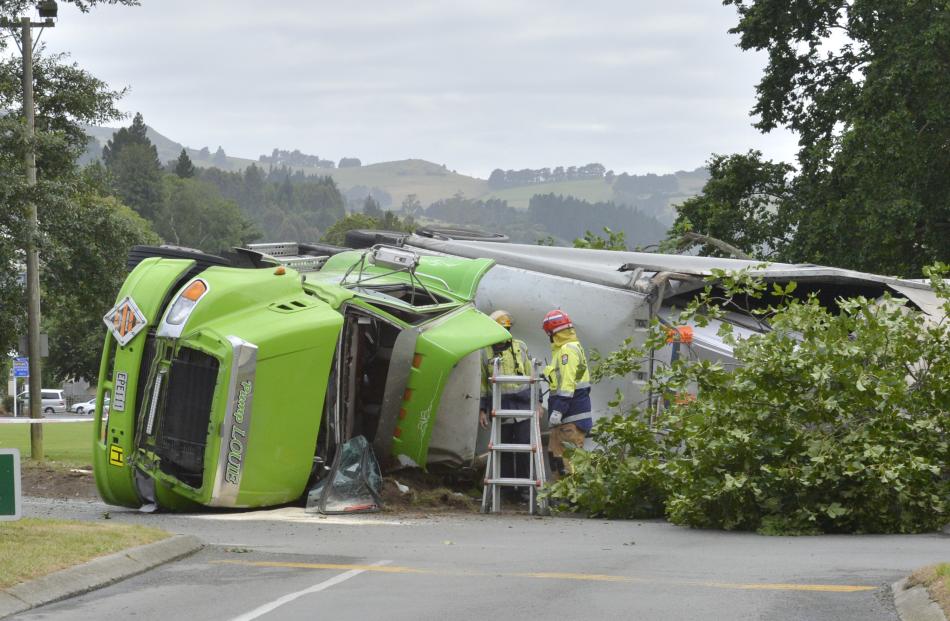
182	308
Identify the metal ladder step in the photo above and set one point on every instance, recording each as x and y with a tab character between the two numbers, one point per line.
513	448
512	413
514	379
514	482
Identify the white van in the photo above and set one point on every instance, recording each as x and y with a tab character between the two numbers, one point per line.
53	401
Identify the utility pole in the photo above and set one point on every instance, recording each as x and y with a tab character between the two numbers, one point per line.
48	11
32	254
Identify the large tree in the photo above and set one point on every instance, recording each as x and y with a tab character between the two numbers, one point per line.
84	235
864	84
136	170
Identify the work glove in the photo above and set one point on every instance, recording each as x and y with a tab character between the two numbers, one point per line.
555	419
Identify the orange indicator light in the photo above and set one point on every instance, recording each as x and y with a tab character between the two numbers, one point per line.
195	290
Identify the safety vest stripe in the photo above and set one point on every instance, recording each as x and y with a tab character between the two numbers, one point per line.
575	417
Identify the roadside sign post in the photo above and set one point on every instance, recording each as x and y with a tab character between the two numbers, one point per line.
21	368
11	506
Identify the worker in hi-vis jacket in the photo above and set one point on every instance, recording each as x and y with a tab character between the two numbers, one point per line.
569	417
514	361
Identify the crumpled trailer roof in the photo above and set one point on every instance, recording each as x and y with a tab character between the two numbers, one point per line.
635	270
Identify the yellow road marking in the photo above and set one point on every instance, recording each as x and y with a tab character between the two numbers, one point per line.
395	569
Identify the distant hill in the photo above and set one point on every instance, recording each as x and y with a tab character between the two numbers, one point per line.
653	195
169	150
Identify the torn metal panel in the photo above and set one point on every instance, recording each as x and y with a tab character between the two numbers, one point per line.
456	421
924	298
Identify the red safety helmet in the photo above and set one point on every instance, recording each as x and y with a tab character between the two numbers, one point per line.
555	321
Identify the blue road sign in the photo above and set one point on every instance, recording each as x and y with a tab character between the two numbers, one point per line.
21	367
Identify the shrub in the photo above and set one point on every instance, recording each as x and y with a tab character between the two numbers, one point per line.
624	478
835	420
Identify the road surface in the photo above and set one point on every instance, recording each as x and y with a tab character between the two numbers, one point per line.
284	564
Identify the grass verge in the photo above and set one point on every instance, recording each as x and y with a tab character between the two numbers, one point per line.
937	580
32	547
67	443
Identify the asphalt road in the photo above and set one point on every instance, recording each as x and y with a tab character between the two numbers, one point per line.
284	564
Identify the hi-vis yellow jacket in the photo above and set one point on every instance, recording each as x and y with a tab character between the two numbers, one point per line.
568	377
514	361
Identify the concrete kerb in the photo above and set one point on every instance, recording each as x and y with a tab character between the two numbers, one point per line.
915	604
95	574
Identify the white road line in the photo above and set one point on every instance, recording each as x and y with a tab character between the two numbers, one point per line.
320	586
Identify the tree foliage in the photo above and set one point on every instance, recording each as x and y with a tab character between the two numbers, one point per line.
389	221
282	205
569	218
835	420
84	234
746	203
89	235
612	240
136	171
863	83
17	8
184	168
197	216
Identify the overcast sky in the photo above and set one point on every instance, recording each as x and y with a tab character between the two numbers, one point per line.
638	86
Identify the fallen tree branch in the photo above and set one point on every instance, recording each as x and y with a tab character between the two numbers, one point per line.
690	239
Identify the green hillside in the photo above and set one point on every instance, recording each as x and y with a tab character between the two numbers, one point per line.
593	190
169	150
431	182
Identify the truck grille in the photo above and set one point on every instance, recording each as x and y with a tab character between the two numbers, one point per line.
183	427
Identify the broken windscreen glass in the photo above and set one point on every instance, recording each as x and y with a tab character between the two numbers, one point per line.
354	482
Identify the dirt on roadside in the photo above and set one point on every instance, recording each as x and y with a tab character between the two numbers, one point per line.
421	492
53	480
427	493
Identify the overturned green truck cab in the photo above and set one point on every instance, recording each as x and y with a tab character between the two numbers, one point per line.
234	386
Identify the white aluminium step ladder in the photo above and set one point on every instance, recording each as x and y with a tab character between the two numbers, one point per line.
491	495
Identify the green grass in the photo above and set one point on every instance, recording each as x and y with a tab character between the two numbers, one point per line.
32	547
69	443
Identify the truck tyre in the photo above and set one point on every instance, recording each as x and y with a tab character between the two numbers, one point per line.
366	238
439	232
202	261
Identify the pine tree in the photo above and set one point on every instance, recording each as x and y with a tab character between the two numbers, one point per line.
183	166
134	134
133	161
371	208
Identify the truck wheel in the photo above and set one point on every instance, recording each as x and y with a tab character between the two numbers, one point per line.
438	232
203	261
366	238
